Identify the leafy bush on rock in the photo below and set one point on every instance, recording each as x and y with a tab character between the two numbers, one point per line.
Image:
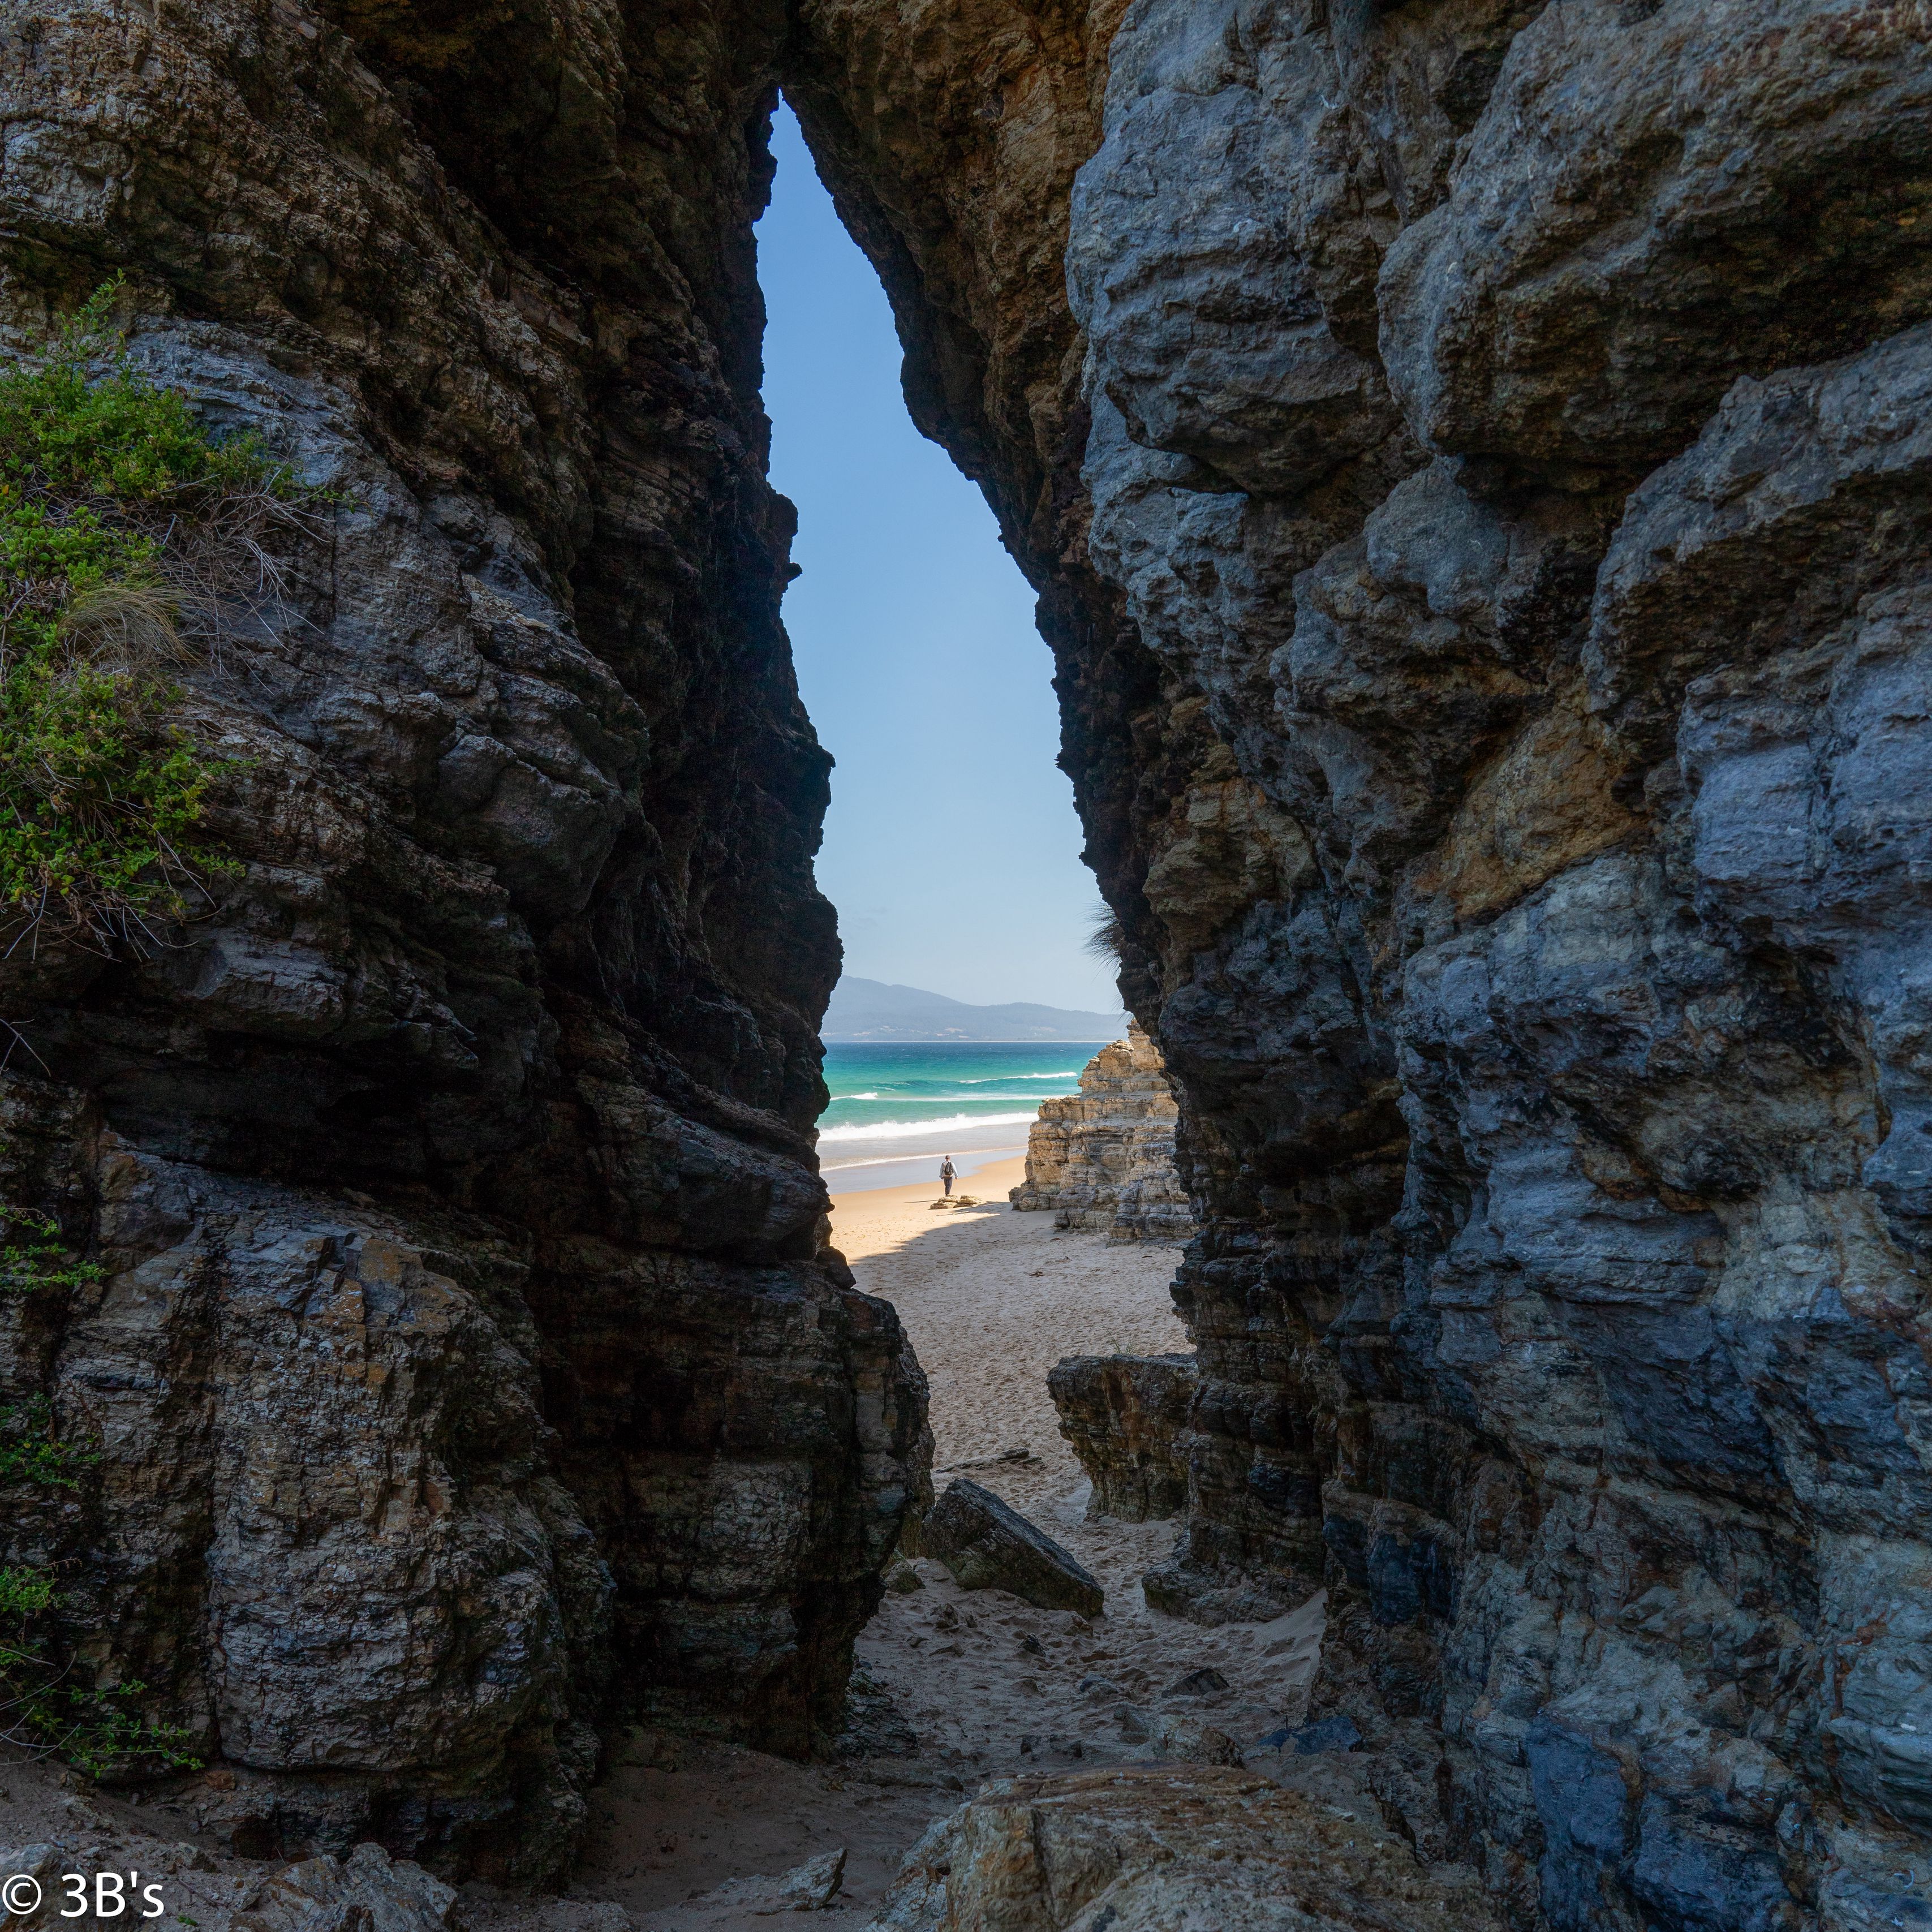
123	525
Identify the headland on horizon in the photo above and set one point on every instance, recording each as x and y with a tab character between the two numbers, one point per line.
872	1010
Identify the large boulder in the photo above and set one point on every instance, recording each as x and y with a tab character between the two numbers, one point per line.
989	1546
1124	1415
1141	1847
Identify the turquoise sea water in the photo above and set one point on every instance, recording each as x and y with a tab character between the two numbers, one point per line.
895	1109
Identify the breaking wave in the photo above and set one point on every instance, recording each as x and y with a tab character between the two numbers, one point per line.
879	1130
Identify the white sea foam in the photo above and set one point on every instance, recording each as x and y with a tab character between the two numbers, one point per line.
881	1130
934	1099
993	1079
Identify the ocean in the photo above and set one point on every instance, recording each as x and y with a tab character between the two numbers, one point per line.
895	1109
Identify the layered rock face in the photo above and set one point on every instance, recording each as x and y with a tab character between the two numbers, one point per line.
1474	455
1103	1158
1126	1417
467	1367
1478	487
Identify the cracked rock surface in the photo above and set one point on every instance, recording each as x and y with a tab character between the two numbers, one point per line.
1481	528
467	1366
1473	458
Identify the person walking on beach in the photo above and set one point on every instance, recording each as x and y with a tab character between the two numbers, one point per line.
946	1173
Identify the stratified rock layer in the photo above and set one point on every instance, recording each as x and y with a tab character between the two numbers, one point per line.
1476	460
467	1367
1478	489
1147	1850
1103	1158
1125	1416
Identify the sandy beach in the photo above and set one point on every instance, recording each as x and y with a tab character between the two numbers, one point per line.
992	1299
912	1174
979	1684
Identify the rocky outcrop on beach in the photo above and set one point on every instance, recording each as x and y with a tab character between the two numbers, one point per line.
464	1364
365	1889
1125	1416
96	1871
1103	1158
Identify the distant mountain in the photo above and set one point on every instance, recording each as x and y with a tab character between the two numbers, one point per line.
864	1009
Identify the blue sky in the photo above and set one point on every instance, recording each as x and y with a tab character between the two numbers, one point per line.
951	851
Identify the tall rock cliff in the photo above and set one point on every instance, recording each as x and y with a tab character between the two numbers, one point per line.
1103	1158
1477	481
466	1367
1474	456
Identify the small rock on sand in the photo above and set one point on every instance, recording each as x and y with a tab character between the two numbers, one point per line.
1336	1733
989	1546
1164	1736
1203	1683
811	1887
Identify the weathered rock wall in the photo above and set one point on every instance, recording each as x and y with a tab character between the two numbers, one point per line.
1484	551
468	1369
1103	1158
1126	1417
1473	456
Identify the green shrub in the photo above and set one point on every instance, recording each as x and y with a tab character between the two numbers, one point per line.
23	1593
42	1260
122	523
43	1709
31	1452
99	1730
118	515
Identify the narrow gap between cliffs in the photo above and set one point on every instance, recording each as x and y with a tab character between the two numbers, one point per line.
952	855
